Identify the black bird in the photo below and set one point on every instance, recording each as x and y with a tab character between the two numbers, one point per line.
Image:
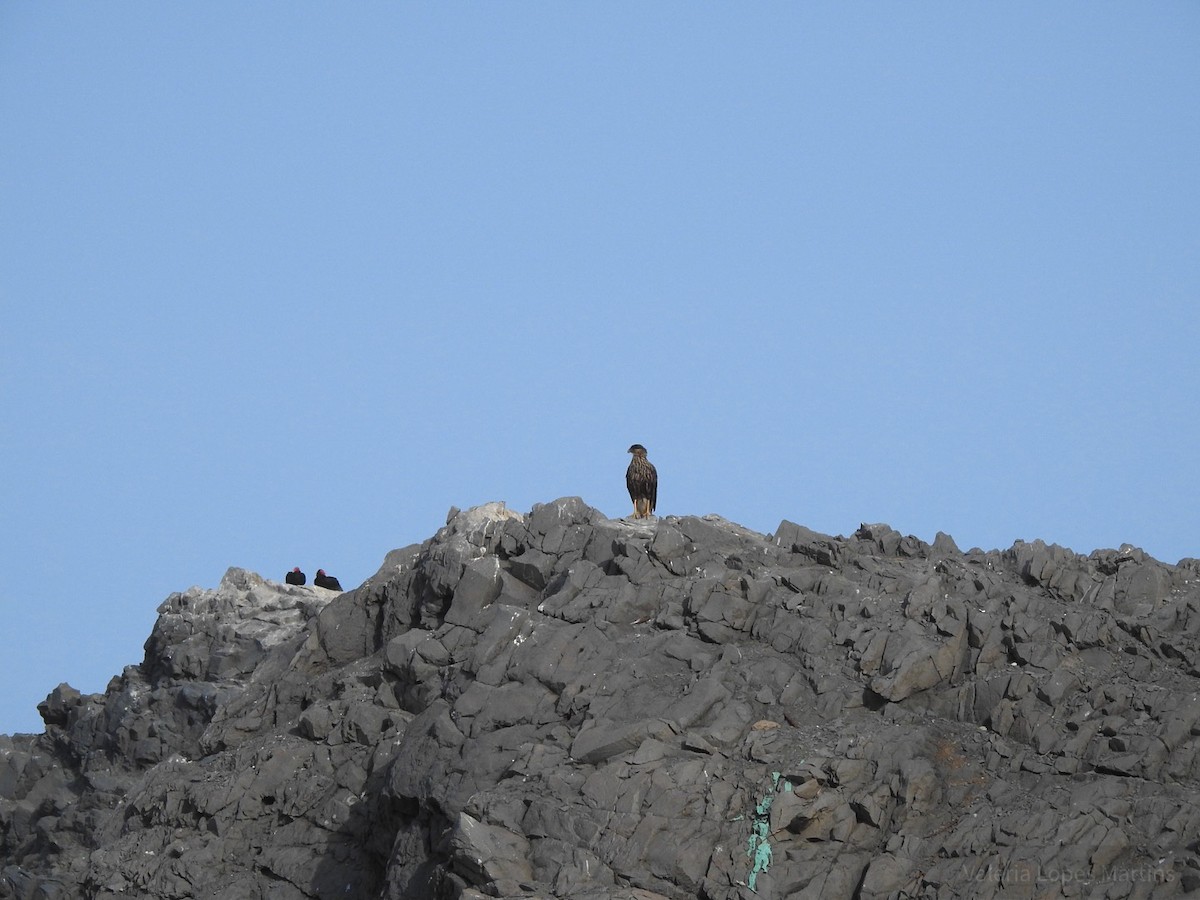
326	581
295	576
642	480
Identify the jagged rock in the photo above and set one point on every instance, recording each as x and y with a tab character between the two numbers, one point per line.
561	705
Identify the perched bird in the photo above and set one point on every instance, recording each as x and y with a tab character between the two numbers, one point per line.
295	576
642	480
326	581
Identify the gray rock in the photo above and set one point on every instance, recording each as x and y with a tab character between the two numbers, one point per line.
563	705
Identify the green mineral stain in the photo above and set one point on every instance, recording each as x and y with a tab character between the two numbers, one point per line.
759	848
762	862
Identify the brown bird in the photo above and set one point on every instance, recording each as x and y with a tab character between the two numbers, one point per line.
295	576
642	480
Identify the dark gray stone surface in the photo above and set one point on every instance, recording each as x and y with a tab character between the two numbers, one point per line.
563	705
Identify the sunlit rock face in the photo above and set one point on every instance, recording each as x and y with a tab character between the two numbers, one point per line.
558	704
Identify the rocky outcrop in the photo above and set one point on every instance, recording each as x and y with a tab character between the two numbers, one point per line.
563	705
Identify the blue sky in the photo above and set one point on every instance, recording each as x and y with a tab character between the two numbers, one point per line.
282	282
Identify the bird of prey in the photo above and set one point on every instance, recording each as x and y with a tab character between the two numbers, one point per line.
642	480
295	576
326	581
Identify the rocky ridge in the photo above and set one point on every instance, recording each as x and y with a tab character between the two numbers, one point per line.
562	705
